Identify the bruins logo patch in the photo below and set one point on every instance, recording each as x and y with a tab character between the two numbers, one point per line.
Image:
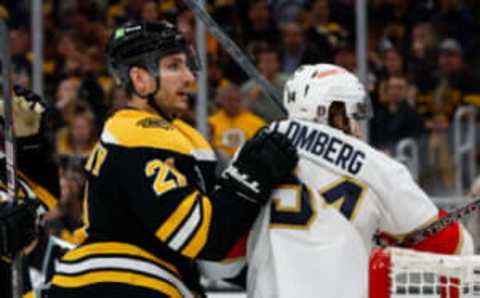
153	123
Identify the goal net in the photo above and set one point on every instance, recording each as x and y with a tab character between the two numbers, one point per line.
396	272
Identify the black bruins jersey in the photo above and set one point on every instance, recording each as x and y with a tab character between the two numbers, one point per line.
37	179
151	211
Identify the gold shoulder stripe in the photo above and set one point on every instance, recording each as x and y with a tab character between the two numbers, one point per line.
134	128
42	194
198	241
176	218
194	135
128	278
105	248
29	294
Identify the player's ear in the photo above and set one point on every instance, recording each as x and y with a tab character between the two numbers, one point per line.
141	80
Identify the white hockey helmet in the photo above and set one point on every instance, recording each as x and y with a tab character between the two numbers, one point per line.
311	89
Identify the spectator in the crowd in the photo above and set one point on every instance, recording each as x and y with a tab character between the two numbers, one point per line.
216	77
397	119
19	50
117	100
422	58
268	63
454	85
260	27
65	220
151	11
186	24
396	19
90	89
454	20
232	124
120	11
296	49
285	11
345	57
232	71
393	65
77	139
321	31
66	100
452	67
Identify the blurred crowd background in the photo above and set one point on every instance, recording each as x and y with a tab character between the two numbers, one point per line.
422	56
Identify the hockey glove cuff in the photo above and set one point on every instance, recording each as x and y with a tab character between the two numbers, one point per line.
261	163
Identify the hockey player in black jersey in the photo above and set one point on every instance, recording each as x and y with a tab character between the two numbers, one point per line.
38	190
153	204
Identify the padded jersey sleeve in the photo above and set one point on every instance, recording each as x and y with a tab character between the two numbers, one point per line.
405	205
38	168
176	211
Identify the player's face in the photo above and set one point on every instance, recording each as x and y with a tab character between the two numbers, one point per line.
175	80
356	129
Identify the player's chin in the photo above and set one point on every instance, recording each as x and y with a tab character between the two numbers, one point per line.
181	105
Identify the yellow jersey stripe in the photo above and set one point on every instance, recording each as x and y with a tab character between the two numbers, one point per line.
135	128
128	278
105	248
42	194
29	294
198	241
176	218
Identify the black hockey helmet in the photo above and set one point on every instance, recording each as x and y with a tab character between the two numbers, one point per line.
143	44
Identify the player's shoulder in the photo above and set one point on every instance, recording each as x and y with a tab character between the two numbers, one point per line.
334	148
196	138
135	128
130	128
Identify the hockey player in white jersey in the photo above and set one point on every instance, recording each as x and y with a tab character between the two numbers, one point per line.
314	240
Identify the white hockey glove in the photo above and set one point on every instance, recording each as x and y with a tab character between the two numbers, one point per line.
28	109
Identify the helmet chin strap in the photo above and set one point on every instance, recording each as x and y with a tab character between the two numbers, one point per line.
150	97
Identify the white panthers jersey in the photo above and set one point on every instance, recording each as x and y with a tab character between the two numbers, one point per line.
314	240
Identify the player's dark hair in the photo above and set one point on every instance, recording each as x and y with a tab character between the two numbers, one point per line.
337	117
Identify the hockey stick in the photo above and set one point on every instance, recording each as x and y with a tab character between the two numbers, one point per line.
236	53
440	224
10	148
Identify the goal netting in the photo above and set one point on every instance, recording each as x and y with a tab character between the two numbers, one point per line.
396	272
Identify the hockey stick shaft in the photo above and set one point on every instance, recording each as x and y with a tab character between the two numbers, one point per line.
236	53
437	226
10	148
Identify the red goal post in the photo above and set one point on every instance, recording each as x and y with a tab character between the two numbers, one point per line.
403	273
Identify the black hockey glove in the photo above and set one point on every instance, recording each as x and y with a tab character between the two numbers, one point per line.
261	163
17	226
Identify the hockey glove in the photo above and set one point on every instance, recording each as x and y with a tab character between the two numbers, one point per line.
17	226
28	109
261	163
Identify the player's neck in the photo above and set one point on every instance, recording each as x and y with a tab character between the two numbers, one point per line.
141	104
